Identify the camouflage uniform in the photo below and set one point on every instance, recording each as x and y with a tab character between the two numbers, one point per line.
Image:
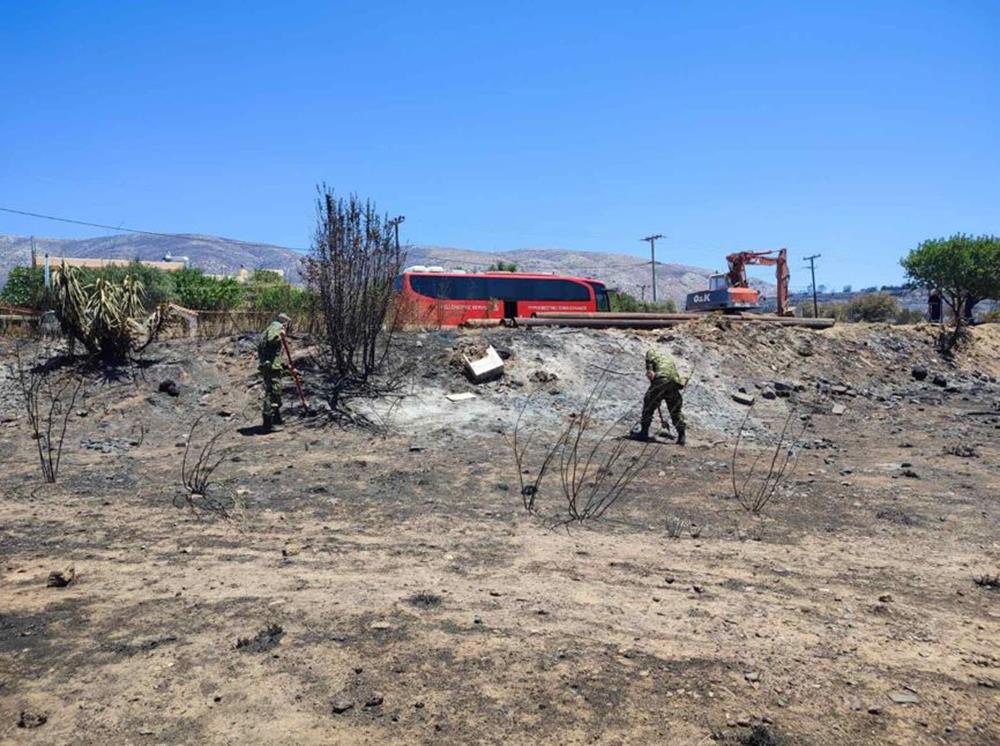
271	364
665	386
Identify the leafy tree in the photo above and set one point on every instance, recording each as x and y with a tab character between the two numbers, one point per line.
25	287
964	269
847	288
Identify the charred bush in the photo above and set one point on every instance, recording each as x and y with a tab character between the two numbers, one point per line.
48	395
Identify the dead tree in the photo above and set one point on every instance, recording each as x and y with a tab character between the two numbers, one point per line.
354	262
48	398
754	495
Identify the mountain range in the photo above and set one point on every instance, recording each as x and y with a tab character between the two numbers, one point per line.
217	255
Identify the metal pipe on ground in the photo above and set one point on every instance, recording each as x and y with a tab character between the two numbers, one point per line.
657	321
599	323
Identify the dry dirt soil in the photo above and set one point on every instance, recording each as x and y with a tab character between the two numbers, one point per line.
373	587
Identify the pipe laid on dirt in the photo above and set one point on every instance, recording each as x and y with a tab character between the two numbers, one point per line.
759	318
634	321
599	323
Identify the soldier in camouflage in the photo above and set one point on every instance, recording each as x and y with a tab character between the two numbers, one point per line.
665	385
271	364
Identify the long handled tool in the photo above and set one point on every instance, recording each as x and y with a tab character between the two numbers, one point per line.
295	373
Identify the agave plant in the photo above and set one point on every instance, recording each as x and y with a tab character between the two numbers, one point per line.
108	318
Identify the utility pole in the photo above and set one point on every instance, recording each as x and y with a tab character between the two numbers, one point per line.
812	268
652	258
642	292
394	222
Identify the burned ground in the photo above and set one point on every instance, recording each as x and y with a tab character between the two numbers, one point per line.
391	587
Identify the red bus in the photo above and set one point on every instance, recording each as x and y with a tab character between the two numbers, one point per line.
435	297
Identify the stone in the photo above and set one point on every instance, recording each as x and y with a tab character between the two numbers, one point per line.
838	409
902	697
741	398
169	388
379	626
374	699
918	372
940	380
751	676
341	705
768	394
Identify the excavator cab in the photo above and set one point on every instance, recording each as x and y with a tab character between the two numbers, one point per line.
720	296
717	282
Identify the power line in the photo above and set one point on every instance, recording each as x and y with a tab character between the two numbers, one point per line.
123	229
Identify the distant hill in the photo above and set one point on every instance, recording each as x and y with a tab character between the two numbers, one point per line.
217	255
210	253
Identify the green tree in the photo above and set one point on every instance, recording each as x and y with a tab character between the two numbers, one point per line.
25	287
964	269
502	266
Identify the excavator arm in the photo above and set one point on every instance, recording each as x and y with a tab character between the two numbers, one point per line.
737	275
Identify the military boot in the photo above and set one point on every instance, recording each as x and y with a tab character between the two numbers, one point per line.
269	426
681	438
278	420
641	434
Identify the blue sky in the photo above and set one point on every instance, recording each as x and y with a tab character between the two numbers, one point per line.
850	129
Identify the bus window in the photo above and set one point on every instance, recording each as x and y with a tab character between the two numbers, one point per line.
517	288
601	296
449	288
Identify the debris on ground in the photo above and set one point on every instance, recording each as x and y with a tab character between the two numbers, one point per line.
487	368
31	719
264	640
61	578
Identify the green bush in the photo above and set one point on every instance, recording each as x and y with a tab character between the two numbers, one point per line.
625	303
194	290
25	287
268	292
873	307
909	316
836	311
158	286
502	267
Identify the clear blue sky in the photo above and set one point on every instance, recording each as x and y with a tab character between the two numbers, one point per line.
849	129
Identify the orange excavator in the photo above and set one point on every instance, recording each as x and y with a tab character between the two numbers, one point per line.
731	292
